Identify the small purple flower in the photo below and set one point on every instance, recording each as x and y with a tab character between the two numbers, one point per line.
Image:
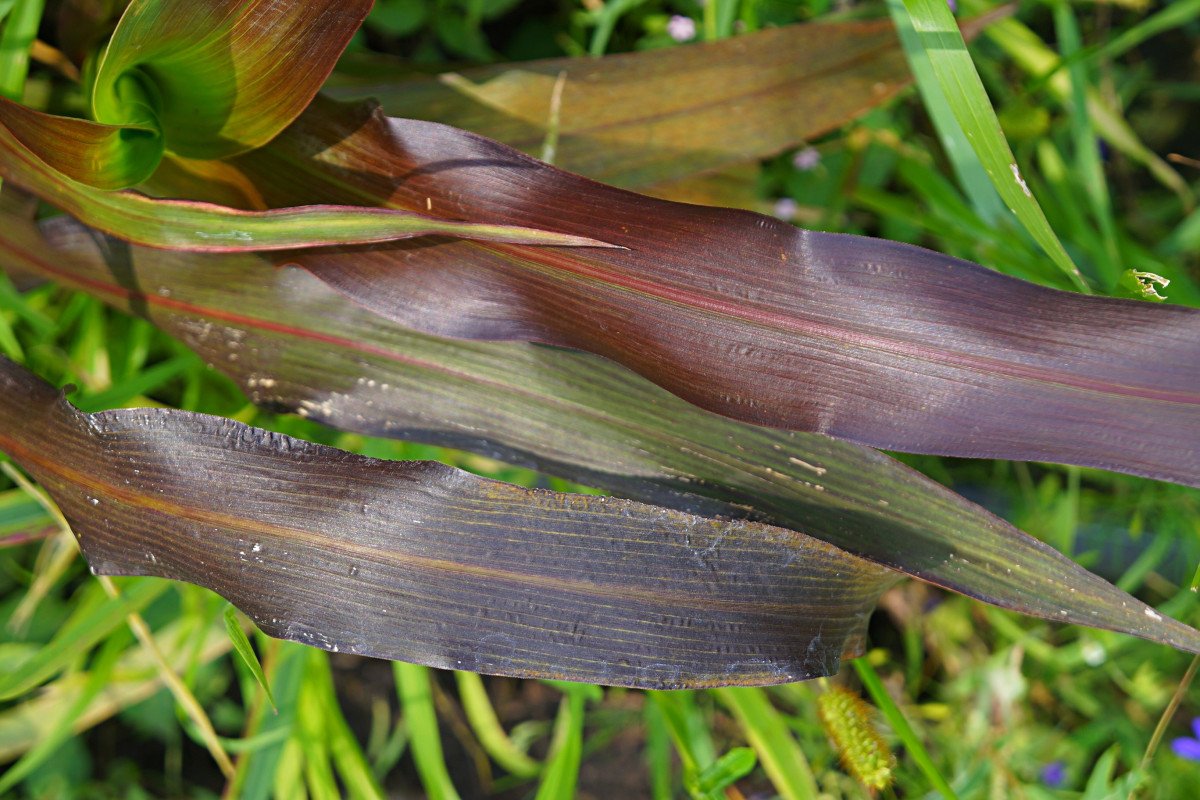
1054	774
785	208
1189	747
807	159
953	6
681	28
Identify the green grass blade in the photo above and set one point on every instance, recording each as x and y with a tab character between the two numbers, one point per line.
99	676
1087	148
955	73
242	645
895	717
726	771
657	753
416	703
1174	15
259	772
606	22
686	726
95	618
347	754
487	728
566	747
971	175
20	30
768	733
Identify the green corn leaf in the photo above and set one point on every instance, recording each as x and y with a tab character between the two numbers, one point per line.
198	226
217	78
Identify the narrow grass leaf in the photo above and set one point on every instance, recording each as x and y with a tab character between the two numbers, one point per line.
18	30
416	704
344	749
241	644
89	624
293	343
24	724
311	727
99	676
955	72
561	773
257	770
971	175
723	773
1036	58
767	732
685	724
482	718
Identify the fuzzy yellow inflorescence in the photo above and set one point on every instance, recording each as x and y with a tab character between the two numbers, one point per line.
848	721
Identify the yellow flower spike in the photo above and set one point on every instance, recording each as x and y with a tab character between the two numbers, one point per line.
848	722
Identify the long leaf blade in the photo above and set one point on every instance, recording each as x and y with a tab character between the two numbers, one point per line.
420	562
293	343
877	342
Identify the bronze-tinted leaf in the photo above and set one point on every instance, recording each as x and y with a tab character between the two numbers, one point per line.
417	561
636	119
293	343
874	341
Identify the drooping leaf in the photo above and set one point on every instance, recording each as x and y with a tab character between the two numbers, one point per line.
636	119
873	341
293	343
420	562
33	146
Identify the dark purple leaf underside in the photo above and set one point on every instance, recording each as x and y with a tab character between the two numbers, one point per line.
417	561
873	341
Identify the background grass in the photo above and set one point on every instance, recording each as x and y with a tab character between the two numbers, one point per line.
976	702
